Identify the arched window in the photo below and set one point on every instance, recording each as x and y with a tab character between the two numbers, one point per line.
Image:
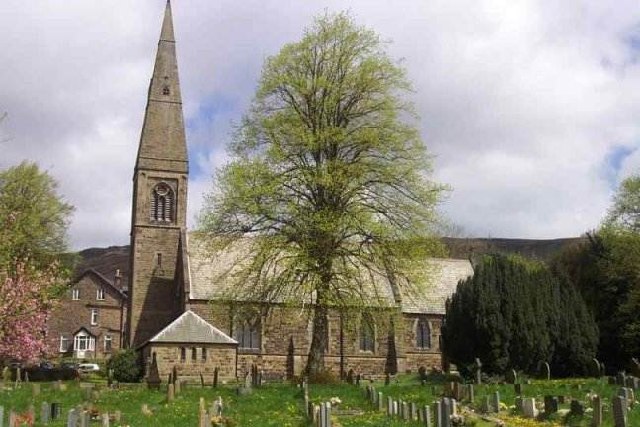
247	333
162	203
367	334
423	334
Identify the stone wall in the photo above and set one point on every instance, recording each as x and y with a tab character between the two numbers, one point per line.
169	355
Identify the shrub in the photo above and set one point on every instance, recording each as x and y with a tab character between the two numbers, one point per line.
126	366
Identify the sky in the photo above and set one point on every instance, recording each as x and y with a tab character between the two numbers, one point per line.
531	109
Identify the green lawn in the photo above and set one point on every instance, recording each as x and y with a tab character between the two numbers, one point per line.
282	404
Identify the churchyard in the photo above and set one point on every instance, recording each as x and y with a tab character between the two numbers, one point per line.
403	401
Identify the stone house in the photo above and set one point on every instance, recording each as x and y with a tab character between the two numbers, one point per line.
88	321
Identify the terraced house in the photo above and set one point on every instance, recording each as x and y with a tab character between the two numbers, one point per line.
175	303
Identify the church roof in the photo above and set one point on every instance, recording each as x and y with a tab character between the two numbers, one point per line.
214	274
191	328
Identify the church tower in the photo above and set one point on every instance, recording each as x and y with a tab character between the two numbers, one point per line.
159	200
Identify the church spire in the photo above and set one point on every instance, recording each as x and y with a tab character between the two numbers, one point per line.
162	142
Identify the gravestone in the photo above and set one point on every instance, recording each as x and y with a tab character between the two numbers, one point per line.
518	404
177	386
1	416
511	376
446	412
35	389
495	401
546	371
550	405
414	411
437	412
389	406
621	379
350	375
104	418
486	405
426	416
597	419
358	380
594	368
635	367
405	410
153	379
45	413
170	393
55	410
619	405
218	407
577	408
72	418
477	367
529	407
380	401
517	388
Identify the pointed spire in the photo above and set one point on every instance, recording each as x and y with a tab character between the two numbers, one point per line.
162	143
167	25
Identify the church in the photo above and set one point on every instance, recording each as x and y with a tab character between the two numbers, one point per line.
171	302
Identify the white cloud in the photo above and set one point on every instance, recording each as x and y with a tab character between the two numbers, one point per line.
521	102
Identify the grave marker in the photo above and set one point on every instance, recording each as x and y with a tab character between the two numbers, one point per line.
45	413
597	411
72	418
550	405
478	370
619	411
529	407
512	376
426	416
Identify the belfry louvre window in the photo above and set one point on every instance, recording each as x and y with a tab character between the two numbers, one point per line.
423	334
162	203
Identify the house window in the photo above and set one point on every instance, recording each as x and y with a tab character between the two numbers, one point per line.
204	354
107	343
75	294
84	342
162	203
100	294
94	316
247	334
194	354
423	334
183	354
367	333
64	344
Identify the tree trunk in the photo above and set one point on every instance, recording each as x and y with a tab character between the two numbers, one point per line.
315	361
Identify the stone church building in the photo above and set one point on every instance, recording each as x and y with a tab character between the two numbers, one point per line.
172	302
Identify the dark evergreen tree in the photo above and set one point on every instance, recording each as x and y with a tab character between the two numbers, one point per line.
514	313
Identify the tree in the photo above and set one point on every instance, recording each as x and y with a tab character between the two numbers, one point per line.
33	216
33	221
625	212
513	314
328	178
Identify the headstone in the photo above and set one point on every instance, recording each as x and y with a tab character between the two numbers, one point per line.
414	411
105	419
512	376
177	386
380	401
621	379
529	407
577	408
619	411
594	368
518	404
478	370
517	388
562	399
389	406
495	401
550	404
35	389
170	393
55	410
471	394
248	380
215	377
405	411
72	418
426	416
597	419
153	379
358	380
635	367
437	412
1	416
85	419
174	374
45	413
486	406
13	418
446	412
218	407
117	416
546	371
350	375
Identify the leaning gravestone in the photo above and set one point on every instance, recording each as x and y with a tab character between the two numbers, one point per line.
594	368
153	379
511	376
546	371
495	401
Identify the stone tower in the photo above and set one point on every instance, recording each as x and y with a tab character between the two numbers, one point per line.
159	200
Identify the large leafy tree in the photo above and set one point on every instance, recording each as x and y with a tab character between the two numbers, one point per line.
329	177
515	313
33	223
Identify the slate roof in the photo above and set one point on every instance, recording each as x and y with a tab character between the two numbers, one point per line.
212	277
191	328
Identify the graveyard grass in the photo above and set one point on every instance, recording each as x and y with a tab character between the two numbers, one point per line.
282	404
